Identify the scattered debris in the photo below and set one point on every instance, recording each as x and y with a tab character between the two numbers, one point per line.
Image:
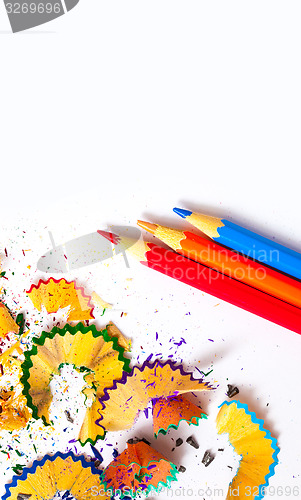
190	440
232	391
181	468
207	458
179	441
138	440
97	455
99	302
18	470
68	416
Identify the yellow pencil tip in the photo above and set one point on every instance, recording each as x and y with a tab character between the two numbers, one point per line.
151	228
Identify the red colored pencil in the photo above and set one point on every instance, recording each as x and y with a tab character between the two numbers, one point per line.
210	281
227	262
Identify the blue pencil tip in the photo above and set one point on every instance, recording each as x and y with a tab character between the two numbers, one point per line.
182	213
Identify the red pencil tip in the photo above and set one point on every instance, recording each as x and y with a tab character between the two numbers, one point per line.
112	237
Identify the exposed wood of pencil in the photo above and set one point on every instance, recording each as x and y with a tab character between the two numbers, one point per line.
207	224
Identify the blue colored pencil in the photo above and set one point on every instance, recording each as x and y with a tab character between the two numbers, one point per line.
246	242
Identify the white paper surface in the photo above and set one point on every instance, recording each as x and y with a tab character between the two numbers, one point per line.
123	110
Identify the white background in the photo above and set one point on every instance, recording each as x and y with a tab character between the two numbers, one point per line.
124	109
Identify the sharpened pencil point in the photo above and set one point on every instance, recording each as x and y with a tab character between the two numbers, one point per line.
112	237
182	212
148	226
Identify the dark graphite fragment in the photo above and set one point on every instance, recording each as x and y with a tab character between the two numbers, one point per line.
207	458
190	440
179	441
68	416
232	391
23	496
137	440
181	468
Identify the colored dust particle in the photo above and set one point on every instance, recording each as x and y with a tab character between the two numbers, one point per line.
58	294
95	352
169	412
54	474
14	413
258	450
139	469
7	323
121	404
114	397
